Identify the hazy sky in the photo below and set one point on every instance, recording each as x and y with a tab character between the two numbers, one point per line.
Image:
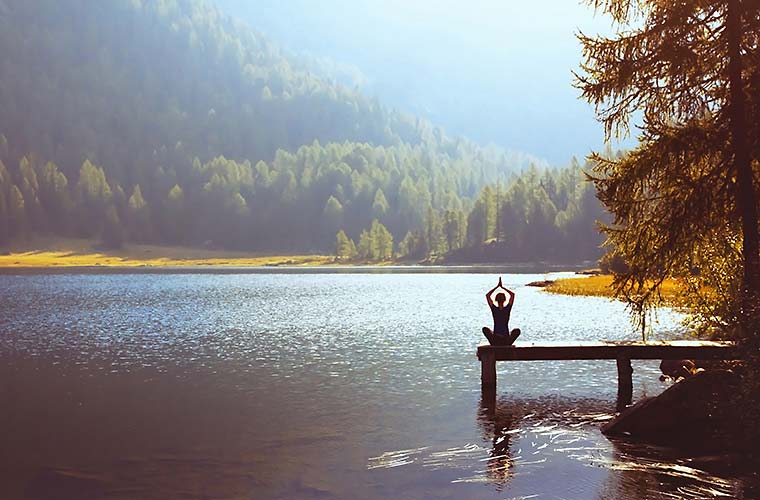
493	70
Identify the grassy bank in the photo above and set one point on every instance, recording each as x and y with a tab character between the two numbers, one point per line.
60	252
601	286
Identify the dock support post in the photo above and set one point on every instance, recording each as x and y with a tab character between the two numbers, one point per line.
487	369
625	383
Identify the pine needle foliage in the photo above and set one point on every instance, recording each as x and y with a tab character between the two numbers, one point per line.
685	200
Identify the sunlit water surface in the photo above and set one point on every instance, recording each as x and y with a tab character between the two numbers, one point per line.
319	385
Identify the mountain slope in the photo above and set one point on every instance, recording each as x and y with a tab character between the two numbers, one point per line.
162	121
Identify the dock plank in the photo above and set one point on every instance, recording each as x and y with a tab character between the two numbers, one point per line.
621	351
583	350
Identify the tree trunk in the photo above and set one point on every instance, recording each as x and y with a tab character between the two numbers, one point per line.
744	189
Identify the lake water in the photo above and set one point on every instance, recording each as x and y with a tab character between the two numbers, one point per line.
314	385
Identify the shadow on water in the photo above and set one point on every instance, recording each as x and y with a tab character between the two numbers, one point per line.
563	435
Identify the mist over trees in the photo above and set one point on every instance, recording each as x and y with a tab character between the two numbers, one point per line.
164	122
471	67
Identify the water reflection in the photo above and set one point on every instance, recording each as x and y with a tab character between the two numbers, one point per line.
643	471
556	439
196	386
497	424
551	440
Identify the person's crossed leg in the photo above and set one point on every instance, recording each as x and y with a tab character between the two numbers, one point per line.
498	339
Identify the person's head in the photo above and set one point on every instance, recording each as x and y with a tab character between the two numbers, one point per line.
500	298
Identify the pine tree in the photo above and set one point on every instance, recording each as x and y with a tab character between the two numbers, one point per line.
332	215
136	201
381	242
30	187
174	215
16	213
686	194
412	246
489	207
55	198
344	247
138	215
366	243
380	205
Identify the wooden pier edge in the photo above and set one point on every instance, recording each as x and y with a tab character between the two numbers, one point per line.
625	382
487	368
621	351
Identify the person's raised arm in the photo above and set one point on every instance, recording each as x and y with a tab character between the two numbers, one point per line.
511	295
489	292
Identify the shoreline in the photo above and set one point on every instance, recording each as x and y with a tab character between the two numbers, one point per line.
284	269
61	255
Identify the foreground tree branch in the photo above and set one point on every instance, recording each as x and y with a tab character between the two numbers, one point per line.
684	201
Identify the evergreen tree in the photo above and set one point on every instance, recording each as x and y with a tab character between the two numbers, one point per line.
332	214
380	205
93	195
16	212
489	212
138	215
412	246
55	198
381	242
688	193
344	247
434	234
366	243
174	225
29	187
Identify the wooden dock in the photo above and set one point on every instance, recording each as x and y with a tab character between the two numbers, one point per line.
622	351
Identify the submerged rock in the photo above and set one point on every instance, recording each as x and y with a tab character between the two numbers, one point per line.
699	412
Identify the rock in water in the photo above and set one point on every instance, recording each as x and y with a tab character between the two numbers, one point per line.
698	412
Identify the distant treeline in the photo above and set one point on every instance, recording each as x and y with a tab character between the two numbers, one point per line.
383	203
549	215
161	121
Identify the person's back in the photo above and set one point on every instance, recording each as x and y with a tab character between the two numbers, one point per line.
500	315
500	335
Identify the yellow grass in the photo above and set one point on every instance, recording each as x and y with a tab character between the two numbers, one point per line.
601	286
59	252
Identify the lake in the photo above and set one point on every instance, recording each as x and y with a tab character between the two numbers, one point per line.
329	384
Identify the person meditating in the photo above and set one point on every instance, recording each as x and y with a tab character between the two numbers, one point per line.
500	335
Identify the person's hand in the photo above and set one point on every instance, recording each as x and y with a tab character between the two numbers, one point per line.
500	282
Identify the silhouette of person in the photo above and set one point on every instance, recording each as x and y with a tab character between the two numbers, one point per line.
500	335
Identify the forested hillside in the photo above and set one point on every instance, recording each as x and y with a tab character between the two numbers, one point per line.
476	67
162	121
